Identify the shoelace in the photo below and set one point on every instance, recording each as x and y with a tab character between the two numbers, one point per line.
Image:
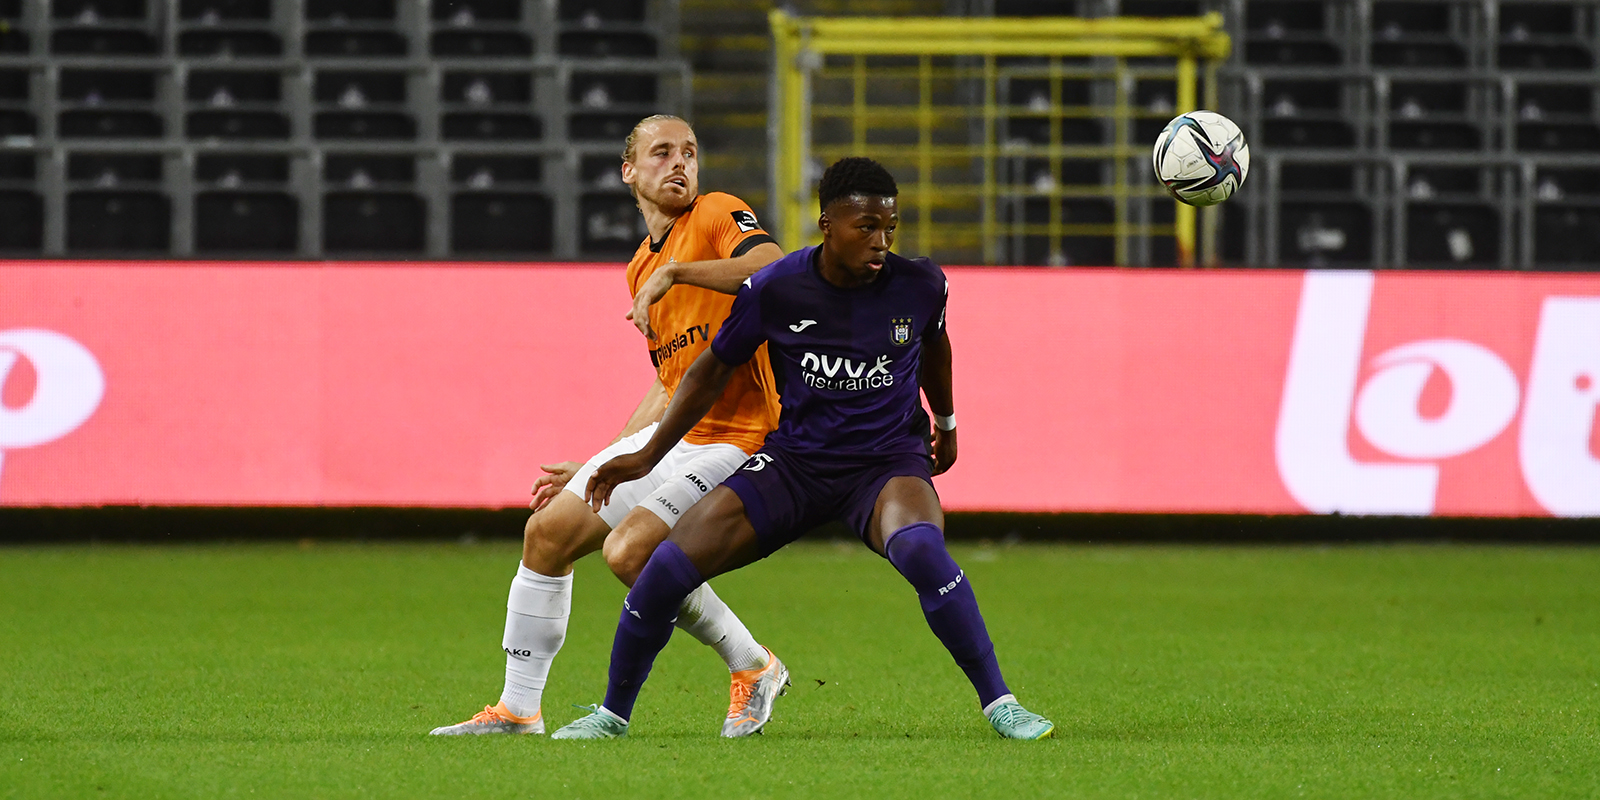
739	698
594	720
488	714
1008	714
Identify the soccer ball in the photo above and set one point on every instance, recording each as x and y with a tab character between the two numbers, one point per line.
1201	157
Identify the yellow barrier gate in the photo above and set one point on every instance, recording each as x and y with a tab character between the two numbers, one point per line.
1013	140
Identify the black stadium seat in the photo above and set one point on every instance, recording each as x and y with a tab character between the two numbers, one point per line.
481	44
1452	234
1566	236
23	212
246	222
229	43
373	222
501	222
597	44
118	221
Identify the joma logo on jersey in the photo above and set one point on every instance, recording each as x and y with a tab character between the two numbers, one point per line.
900	331
844	374
695	333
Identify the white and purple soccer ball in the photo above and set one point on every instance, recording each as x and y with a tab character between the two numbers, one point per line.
1201	157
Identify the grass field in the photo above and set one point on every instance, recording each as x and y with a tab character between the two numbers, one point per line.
276	670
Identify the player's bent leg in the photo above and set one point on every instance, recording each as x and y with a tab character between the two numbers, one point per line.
718	532
537	608
916	547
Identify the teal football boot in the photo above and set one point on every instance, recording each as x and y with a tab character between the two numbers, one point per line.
599	724
1012	721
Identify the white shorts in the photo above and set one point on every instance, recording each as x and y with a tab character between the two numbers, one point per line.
686	474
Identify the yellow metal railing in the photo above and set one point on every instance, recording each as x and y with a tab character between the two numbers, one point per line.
934	100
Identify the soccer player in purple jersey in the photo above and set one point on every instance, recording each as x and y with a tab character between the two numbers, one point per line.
853	330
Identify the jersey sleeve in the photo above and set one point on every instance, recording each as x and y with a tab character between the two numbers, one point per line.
732	227
741	333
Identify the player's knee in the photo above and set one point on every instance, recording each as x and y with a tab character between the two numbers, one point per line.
918	552
554	537
626	556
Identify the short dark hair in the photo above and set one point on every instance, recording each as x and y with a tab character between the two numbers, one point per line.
852	176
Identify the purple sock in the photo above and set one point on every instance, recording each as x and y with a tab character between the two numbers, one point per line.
646	623
949	605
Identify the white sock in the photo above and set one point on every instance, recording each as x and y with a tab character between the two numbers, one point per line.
536	624
1005	698
704	616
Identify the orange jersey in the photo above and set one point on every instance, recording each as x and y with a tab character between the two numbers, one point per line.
716	226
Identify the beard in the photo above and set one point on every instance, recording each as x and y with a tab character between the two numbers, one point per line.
667	202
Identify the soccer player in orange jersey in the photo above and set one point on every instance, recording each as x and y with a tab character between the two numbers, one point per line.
701	248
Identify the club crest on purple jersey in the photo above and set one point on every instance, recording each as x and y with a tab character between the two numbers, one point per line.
900	331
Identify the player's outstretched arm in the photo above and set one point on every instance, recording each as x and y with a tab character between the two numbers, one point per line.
722	275
699	390
938	385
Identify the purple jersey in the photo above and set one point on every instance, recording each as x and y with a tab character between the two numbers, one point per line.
846	360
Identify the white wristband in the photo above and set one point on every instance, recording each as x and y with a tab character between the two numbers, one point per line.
944	423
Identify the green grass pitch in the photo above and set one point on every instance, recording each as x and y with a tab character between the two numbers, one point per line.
284	671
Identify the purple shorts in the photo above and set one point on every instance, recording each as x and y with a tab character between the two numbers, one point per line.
786	494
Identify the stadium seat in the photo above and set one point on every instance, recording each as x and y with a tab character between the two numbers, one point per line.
236	125
118	221
480	89
597	44
601	126
233	170
361	105
17	123
246	222
213	10
609	223
1519	21
225	89
373	222
1034	93
356	44
343	11
1394	21
601	11
1544	56
1292	54
108	125
501	222
483	126
1422	99
1558	137
368	171
1452	235
1317	234
600	90
1035	130
107	170
23	212
1276	18
1405	135
1563	183
103	42
1566	236
601	172
99	86
98	9
1429	182
1307	133
1537	101
1418	55
481	44
14	85
229	43
467	12
488	171
363	125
